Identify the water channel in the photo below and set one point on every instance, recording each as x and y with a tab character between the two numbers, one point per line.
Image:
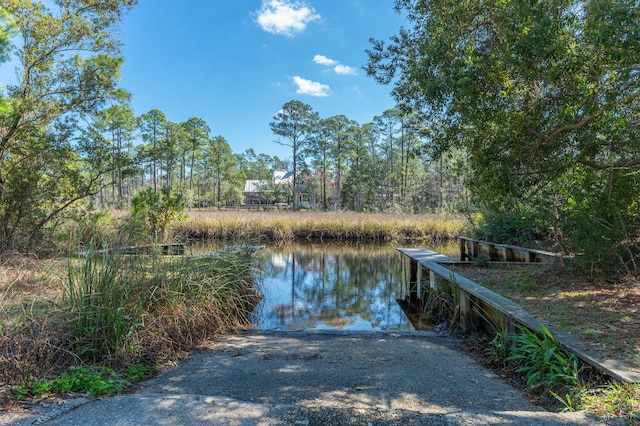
333	286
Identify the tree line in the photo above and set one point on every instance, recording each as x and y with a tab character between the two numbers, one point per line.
336	163
70	143
383	165
531	108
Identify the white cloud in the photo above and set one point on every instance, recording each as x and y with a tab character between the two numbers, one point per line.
313	88
345	70
338	68
285	17
323	60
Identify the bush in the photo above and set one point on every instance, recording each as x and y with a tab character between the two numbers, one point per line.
155	211
120	310
542	361
516	228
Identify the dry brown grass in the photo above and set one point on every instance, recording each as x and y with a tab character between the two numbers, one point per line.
27	284
289	226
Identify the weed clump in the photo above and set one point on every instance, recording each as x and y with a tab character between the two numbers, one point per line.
121	310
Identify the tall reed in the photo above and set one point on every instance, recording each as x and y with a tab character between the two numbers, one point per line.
97	294
118	309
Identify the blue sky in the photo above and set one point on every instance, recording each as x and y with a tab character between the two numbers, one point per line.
234	63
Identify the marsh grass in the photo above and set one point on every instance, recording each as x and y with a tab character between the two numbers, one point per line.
118	310
334	226
439	304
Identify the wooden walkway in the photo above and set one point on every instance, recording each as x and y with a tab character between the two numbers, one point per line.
169	249
471	249
477	304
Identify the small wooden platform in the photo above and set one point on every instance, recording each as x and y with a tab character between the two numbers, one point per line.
477	304
166	249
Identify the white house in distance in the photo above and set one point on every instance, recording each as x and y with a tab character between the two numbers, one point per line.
257	192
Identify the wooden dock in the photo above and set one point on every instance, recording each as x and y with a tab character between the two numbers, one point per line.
169	249
472	249
482	309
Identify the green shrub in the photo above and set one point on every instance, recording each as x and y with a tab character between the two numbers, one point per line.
99	297
155	211
516	228
542	361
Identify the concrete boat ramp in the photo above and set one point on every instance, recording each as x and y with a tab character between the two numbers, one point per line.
315	378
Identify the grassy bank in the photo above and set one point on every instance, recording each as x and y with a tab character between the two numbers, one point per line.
117	311
287	226
598	309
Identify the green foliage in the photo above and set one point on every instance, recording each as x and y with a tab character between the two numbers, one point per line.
7	29
441	301
542	361
543	96
615	399
99	301
509	228
119	306
601	221
155	211
220	168
296	122
85	225
482	260
499	347
140	371
67	65
94	382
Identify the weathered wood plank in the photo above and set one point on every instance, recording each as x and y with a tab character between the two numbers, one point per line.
420	255
470	248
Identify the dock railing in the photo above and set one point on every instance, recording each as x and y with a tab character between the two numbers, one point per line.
472	249
482	309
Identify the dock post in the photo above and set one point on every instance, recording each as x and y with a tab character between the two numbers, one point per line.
509	256
463	249
466	318
413	282
474	249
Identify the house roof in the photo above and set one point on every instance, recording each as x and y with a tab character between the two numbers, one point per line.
279	178
256	185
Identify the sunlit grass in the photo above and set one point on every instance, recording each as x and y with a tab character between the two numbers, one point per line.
596	310
615	400
288	226
27	284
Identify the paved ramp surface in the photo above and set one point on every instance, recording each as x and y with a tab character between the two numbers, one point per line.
315	378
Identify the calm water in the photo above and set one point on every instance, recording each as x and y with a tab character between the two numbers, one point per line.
329	286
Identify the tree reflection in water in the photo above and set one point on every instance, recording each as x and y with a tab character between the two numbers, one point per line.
331	286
